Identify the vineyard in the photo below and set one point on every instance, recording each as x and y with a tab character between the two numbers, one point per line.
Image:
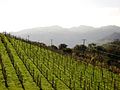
25	66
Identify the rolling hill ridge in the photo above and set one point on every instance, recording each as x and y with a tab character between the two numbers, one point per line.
69	36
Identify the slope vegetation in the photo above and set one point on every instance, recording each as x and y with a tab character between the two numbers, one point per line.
25	66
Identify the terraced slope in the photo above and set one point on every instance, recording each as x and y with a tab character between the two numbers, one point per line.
30	67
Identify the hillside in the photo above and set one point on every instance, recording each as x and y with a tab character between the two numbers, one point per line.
26	66
110	38
70	36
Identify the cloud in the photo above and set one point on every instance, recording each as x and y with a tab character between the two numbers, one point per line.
107	3
20	14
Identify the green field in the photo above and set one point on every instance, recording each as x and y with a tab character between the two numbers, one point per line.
25	66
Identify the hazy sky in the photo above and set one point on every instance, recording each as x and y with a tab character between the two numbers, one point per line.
21	14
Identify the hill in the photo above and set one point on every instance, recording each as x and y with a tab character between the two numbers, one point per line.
28	66
70	36
110	38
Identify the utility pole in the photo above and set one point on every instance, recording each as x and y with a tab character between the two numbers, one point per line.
84	45
84	40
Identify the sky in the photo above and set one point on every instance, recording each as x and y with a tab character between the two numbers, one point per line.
18	15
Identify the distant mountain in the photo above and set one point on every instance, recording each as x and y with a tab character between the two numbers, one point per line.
114	36
70	36
110	38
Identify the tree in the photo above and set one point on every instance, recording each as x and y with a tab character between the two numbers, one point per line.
113	53
53	47
80	48
62	46
67	51
100	48
83	48
91	46
100	53
77	48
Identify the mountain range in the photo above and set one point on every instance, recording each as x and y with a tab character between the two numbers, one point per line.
71	36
